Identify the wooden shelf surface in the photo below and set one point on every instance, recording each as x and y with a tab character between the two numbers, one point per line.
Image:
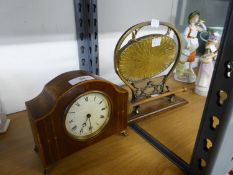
116	155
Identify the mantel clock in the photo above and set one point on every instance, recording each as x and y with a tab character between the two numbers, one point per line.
75	110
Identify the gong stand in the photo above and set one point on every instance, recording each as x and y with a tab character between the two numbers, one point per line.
140	62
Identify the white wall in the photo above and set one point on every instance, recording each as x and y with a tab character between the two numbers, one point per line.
119	15
37	43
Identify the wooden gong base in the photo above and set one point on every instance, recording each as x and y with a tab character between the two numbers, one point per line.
156	107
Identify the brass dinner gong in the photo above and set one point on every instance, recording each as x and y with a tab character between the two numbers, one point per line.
144	63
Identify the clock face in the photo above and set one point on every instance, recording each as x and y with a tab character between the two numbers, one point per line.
88	115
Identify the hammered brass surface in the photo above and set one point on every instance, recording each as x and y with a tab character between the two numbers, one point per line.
139	60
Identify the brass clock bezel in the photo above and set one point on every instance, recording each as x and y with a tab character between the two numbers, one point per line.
96	133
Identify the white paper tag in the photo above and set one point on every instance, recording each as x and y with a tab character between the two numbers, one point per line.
156	42
213	48
80	79
171	34
155	23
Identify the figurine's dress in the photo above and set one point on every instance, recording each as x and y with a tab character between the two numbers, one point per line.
192	41
183	73
204	75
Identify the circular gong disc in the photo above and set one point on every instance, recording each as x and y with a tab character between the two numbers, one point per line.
139	60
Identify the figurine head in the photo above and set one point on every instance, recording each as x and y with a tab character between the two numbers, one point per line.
194	17
214	37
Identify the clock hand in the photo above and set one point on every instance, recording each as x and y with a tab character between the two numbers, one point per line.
89	118
83	125
90	128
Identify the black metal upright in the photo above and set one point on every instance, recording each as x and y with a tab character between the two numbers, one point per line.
218	108
87	34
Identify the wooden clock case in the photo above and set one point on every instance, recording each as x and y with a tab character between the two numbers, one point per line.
47	112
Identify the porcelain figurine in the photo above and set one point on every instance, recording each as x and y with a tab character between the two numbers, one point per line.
184	71
207	66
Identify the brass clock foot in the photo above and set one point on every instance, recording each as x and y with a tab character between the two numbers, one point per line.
172	98
46	171
136	110
35	149
124	133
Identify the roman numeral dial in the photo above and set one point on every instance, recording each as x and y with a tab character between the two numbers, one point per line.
88	115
